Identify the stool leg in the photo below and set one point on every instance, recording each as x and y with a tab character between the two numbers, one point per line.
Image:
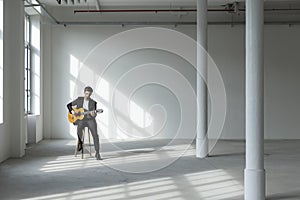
89	133
76	148
82	143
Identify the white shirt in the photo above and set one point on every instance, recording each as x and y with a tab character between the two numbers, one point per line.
86	104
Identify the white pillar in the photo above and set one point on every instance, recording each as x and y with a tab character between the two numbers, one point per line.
254	171
13	45
46	91
202	139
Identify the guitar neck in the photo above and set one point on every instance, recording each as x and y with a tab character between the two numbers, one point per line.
88	112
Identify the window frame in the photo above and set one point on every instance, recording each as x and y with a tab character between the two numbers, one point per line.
27	66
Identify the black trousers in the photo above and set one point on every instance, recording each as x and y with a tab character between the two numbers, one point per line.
92	125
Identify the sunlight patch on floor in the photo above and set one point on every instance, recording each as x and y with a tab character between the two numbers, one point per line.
70	162
206	185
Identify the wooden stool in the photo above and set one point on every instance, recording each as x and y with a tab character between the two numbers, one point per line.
89	149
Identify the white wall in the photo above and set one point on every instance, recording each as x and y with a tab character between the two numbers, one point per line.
282	86
66	55
46	60
227	48
12	131
226	45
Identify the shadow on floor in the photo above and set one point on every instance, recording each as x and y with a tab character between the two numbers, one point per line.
227	154
287	195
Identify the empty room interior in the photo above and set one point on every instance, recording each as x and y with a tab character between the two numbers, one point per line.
149	99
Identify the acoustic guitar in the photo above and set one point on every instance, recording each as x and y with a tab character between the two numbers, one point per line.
80	114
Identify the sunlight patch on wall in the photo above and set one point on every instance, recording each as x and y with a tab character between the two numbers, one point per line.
102	89
148	119
35	39
37	84
137	114
136	120
74	66
132	119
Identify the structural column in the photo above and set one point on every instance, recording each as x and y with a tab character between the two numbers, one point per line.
202	139
13	60
254	171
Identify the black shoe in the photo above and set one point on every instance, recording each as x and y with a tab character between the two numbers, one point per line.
79	146
97	156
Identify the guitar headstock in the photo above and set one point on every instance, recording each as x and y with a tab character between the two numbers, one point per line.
99	110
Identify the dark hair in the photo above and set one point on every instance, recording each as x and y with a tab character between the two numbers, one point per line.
88	88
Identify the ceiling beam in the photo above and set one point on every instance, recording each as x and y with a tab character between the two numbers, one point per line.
175	23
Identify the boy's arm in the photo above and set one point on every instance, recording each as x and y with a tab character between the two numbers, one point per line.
71	105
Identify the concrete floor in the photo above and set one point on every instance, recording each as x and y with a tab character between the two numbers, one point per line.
49	171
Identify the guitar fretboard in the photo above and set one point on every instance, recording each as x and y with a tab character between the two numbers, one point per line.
87	112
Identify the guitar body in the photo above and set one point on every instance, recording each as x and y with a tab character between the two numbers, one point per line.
76	116
79	114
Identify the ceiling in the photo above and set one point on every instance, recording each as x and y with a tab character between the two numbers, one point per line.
287	11
146	3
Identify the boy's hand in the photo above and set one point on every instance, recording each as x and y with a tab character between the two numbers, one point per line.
93	113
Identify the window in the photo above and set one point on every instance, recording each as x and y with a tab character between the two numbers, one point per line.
32	65
27	75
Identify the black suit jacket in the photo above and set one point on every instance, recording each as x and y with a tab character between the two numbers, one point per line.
79	103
